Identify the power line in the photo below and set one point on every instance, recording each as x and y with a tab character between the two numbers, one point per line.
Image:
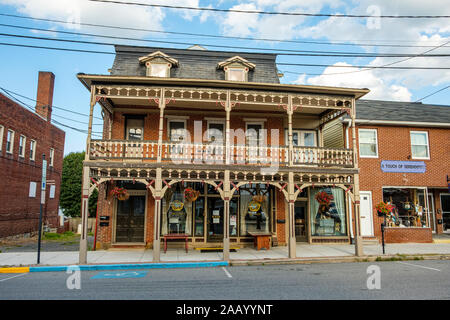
433	93
275	13
310	65
216	36
37	101
312	53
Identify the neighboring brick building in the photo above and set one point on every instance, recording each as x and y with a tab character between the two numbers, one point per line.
404	158
24	137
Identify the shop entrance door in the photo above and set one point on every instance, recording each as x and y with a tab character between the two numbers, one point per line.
366	213
445	206
215	219
130	220
431	210
300	221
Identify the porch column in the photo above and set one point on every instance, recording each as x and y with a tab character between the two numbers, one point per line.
291	222
84	216
289	113
358	238
85	187
162	106
157	217
227	129
226	216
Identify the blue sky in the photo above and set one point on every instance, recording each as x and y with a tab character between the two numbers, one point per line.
19	66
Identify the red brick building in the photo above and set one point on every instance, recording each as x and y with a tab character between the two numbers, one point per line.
404	159
24	136
219	124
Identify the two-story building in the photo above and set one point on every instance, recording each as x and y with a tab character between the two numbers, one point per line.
404	159
26	135
210	145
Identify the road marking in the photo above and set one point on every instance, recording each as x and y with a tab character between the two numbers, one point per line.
227	273
17	275
415	265
120	274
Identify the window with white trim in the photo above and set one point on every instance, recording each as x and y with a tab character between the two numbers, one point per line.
368	143
22	141
52	156
158	70
1	137
32	149
419	145
9	141
236	74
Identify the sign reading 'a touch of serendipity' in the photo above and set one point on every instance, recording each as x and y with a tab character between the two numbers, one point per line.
403	166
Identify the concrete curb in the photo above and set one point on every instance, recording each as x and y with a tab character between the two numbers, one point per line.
120	266
343	259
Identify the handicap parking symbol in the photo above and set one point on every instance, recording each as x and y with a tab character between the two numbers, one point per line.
120	274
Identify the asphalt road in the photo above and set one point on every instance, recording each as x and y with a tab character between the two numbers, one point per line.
410	280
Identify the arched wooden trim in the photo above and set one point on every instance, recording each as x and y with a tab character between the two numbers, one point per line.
276	184
342	186
174	181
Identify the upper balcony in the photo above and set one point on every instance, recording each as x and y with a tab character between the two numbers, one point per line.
274	124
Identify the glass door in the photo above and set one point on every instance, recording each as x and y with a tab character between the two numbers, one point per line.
254	141
130	219
215	219
445	207
300	220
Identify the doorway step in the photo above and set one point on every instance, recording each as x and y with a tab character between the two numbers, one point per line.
370	241
216	249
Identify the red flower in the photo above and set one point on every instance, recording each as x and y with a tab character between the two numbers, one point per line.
323	198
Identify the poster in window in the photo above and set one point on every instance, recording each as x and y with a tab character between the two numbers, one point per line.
52	191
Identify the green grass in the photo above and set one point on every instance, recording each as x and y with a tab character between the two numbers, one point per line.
66	236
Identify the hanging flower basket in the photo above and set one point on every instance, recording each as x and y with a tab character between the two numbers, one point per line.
384	209
323	198
190	194
120	193
259	198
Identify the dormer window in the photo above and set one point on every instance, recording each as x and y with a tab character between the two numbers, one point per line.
158	64
236	68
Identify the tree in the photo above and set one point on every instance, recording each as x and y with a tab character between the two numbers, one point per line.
70	198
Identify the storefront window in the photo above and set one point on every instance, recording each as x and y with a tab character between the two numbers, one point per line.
328	216
409	207
177	210
254	208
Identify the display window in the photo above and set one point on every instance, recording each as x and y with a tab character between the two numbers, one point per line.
409	207
254	208
328	212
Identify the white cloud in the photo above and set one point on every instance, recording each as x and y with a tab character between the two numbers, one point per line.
347	77
83	11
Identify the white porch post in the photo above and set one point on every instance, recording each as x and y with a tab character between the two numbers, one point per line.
226	216
358	238
85	187
291	221
290	113
162	106
227	129
157	217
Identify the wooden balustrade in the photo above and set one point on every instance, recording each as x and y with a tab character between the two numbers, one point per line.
216	153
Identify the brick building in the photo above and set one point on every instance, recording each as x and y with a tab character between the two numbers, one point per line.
404	159
24	136
211	147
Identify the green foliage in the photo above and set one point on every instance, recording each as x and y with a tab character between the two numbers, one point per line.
70	198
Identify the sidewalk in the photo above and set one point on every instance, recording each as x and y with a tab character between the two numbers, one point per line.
304	251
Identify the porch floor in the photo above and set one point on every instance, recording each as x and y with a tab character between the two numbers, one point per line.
180	255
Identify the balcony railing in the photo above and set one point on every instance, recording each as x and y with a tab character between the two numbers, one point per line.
194	153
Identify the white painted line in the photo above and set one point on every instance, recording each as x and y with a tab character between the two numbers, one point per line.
17	275
227	273
415	265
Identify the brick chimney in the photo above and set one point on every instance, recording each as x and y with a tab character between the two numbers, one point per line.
44	97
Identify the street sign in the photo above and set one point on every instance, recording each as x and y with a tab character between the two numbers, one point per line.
44	174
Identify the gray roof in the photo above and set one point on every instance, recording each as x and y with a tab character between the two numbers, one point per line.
401	111
194	64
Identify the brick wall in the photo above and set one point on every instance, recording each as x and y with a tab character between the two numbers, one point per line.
19	213
405	235
394	144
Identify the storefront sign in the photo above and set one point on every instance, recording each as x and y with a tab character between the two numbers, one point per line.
254	206
216	216
403	166
177	205
232	220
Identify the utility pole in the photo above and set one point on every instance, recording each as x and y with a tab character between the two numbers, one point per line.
43	183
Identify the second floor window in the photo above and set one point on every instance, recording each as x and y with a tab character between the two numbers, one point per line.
9	141
419	145
368	143
22	140
52	157
177	130
32	149
236	74
135	129
1	137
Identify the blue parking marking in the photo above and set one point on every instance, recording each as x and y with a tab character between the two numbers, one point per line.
120	274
